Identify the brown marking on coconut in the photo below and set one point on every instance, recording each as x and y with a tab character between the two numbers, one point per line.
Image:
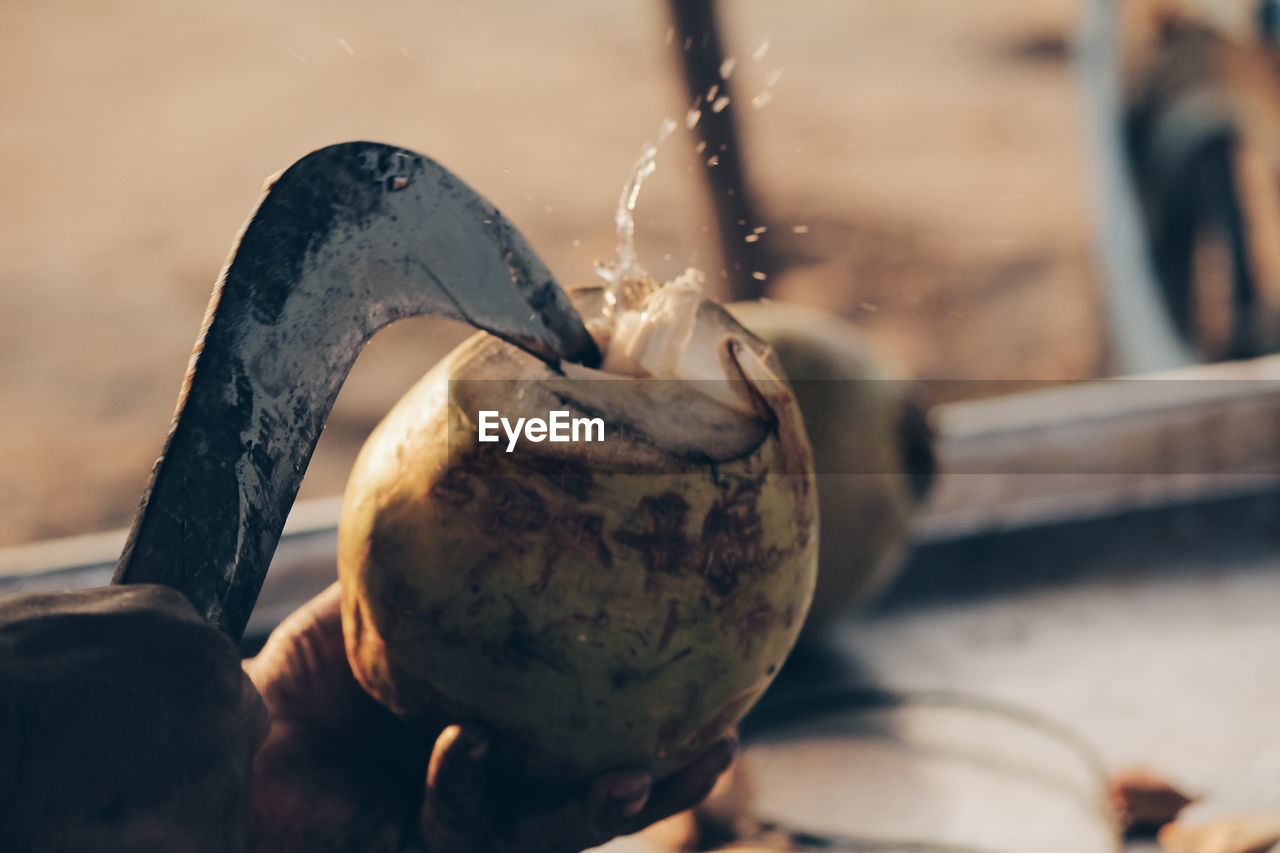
757	620
624	676
669	626
600	620
513	508
522	648
731	534
487	565
582	532
663	546
585	531
453	488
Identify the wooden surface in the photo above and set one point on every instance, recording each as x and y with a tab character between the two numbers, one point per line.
1096	448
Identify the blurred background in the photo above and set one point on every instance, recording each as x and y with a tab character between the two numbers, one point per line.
931	155
925	170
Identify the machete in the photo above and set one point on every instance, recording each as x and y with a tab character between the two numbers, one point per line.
345	241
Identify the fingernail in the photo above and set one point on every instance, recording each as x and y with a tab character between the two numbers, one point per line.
634	807
631	790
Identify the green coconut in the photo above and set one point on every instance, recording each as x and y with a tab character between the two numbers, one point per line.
596	605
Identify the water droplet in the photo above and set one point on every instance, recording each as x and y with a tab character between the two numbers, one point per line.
720	104
726	68
343	43
751	238
759	276
691	118
761	49
766	95
711	93
799	229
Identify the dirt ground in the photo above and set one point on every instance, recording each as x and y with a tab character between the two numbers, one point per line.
933	149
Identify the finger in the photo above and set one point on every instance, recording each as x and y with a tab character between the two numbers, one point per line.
303	674
622	803
615	800
315	626
559	823
256	719
454	816
690	786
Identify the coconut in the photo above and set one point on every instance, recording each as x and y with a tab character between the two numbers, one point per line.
596	605
873	446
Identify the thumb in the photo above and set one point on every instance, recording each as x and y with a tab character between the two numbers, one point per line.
454	810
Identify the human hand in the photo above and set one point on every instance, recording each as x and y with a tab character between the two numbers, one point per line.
126	723
341	772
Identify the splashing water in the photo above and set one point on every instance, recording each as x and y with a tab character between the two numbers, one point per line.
629	284
626	278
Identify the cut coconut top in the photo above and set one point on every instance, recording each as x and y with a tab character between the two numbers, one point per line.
668	332
680	376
